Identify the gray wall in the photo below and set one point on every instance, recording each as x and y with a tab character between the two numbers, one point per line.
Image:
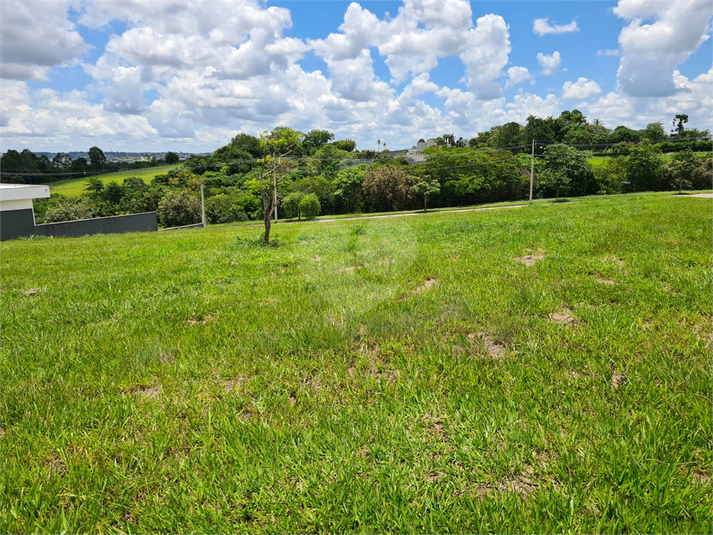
119	224
17	223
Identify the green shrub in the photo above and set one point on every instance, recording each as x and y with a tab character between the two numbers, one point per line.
309	206
67	211
179	208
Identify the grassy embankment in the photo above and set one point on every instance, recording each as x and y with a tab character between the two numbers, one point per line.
405	374
74	187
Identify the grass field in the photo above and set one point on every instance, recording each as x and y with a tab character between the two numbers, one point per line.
536	369
74	187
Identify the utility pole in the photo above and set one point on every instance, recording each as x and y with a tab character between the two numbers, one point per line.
202	207
532	168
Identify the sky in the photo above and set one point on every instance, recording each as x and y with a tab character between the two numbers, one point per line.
159	75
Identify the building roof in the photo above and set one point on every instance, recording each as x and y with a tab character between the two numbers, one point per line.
19	192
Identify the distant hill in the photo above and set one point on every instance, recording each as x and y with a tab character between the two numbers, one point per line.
126	156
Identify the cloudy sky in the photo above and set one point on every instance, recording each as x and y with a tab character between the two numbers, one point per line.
155	75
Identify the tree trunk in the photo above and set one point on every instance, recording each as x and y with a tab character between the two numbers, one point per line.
267	213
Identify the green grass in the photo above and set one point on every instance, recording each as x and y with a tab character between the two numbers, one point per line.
74	187
386	375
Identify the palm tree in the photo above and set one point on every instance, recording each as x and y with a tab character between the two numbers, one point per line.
378	142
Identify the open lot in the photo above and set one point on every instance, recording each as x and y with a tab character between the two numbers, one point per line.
74	187
543	369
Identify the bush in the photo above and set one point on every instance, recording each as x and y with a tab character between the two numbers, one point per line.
179	208
291	206
309	206
67	211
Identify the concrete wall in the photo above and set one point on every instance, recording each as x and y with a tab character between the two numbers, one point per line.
120	224
18	223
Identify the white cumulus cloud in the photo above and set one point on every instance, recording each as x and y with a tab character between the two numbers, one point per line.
36	37
517	75
651	51
581	89
549	63
543	27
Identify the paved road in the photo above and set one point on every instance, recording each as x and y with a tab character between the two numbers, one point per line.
421	213
702	195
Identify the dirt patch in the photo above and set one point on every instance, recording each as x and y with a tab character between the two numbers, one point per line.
56	466
565	317
234	384
492	347
435	475
699	195
530	259
701	478
606	282
166	358
427	283
614	259
617	381
31	291
148	392
316	258
196	319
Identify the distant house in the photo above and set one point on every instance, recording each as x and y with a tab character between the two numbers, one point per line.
415	155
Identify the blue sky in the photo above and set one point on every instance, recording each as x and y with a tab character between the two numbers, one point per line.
154	75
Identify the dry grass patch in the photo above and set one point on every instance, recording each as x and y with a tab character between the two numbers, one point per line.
148	392
530	259
617	381
196	319
427	283
31	291
565	317
493	348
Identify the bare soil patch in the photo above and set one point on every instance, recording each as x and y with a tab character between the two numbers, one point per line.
148	392
565	317
492	347
617	381
427	283
530	259
31	291
606	282
195	319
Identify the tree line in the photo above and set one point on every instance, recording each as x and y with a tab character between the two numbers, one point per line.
302	175
26	167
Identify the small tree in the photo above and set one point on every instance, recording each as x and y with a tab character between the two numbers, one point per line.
94	186
171	157
291	205
555	180
278	145
388	187
309	206
97	158
424	186
179	208
680	170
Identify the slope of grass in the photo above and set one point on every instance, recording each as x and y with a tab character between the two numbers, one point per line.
542	369
74	187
